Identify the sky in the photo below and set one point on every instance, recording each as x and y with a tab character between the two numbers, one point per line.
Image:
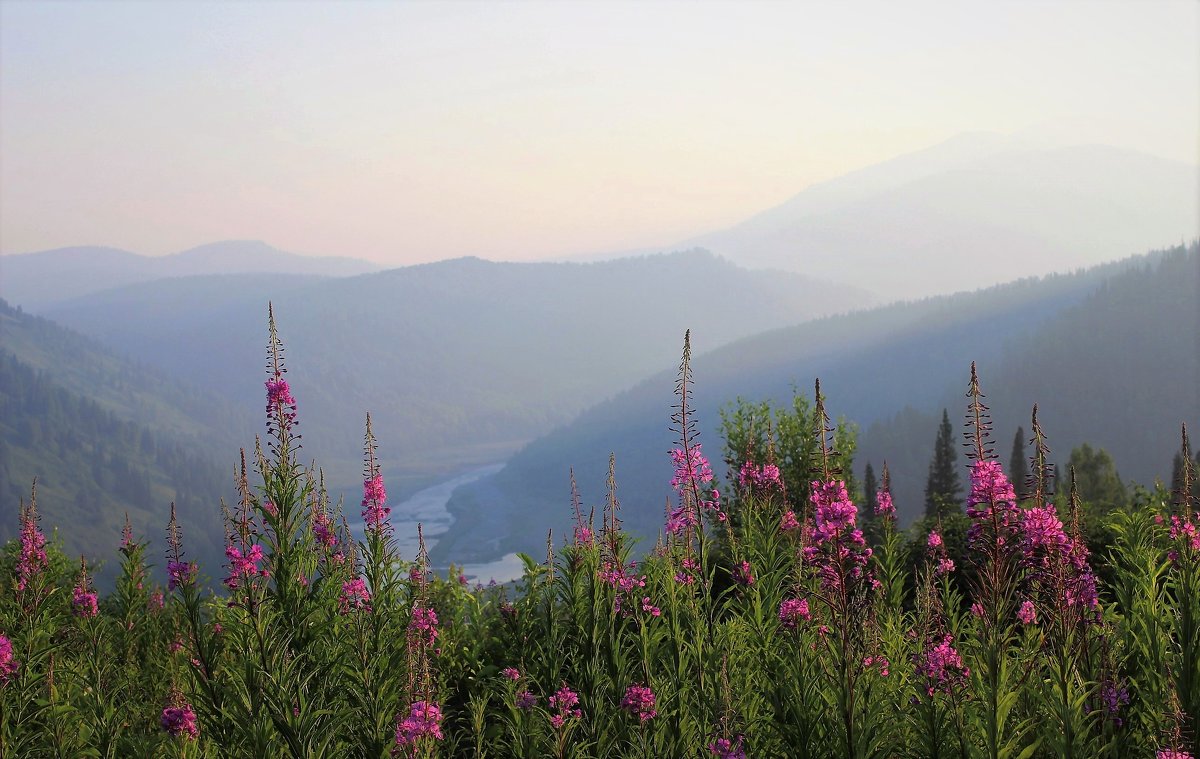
411	132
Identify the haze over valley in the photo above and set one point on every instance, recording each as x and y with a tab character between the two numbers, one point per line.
491	226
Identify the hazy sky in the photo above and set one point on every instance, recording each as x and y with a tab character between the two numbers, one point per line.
405	132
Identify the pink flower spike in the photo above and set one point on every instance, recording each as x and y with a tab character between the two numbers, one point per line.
639	701
354	597
374	512
180	721
792	610
789	522
424	720
8	664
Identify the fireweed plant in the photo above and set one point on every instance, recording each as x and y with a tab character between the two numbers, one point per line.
776	615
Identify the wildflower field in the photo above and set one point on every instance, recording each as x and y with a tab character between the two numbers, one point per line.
774	617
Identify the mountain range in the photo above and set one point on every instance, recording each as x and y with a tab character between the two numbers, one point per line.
38	280
467	362
1110	352
974	211
459	362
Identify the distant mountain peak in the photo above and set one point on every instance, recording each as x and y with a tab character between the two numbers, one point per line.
225	246
976	209
38	280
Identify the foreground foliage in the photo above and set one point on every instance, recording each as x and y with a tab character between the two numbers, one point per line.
763	622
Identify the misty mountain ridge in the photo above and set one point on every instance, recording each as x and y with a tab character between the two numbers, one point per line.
38	280
106	437
1109	353
976	210
460	362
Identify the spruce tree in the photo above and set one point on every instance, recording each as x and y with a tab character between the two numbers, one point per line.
1177	475
943	488
866	508
870	488
1018	465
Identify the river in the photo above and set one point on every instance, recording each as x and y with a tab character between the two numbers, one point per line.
428	507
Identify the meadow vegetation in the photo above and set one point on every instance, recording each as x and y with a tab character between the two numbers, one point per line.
774	617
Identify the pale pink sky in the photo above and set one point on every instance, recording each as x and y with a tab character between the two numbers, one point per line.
407	132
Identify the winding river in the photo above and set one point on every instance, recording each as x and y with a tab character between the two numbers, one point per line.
428	507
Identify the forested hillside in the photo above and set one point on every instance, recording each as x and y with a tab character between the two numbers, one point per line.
92	468
131	390
1130	406
459	362
875	364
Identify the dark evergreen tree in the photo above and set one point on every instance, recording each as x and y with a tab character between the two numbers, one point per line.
1097	480
870	488
943	488
1018	465
866	507
1177	474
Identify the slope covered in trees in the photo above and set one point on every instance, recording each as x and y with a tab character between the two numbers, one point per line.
892	370
459	362
1119	370
131	390
92	468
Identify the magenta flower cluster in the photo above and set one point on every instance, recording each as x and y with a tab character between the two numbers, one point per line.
1027	613
792	610
280	400
627	583
584	536
1183	532
425	623
1058	561
323	530
837	548
374	512
1167	753
788	521
639	701
884	506
743	573
942	667
993	505
32	560
84	602
526	700
424	720
243	565
760	479
565	703
1113	697
8	663
724	748
180	574
943	564
834	511
692	471
180	721
354	596
688	570
879	662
